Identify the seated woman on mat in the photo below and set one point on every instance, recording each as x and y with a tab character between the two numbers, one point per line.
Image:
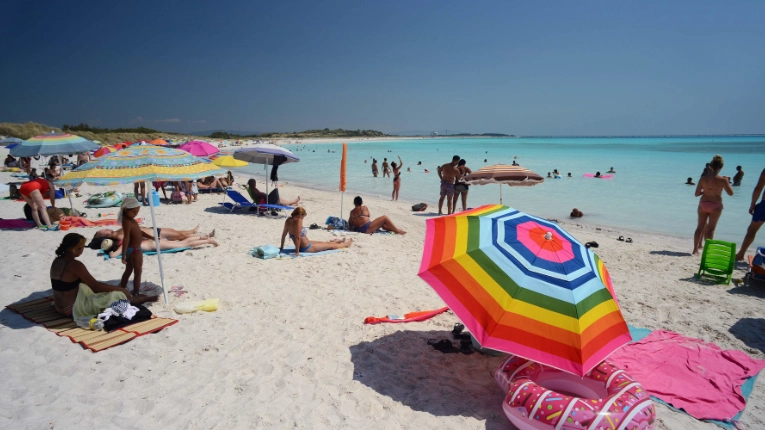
261	198
148	244
67	274
34	193
294	227
164	233
210	183
360	220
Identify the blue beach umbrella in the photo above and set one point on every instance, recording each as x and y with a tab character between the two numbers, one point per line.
53	144
8	141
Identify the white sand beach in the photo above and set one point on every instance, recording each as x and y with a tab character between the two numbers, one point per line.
288	347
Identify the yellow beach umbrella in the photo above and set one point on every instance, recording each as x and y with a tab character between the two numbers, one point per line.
229	161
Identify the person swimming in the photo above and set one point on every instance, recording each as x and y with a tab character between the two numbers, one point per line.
576	213
569	174
690	182
549	175
612	170
598	175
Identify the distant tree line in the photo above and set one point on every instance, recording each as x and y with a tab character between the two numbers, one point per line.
84	127
338	132
483	134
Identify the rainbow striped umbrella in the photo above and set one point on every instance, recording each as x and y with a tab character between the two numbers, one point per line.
523	285
141	163
53	144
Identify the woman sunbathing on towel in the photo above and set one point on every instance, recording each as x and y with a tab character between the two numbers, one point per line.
294	227
210	183
361	221
262	198
148	244
66	274
164	233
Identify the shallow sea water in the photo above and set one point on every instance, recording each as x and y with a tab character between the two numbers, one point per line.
646	194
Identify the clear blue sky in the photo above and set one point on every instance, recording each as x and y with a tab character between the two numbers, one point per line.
527	68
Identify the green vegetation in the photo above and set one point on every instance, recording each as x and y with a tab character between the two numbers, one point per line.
482	134
84	127
338	132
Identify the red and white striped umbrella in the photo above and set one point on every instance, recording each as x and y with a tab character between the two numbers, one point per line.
514	176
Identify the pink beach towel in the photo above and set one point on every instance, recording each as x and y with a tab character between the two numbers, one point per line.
688	373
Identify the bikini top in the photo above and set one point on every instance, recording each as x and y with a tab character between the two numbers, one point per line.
302	233
63	286
361	214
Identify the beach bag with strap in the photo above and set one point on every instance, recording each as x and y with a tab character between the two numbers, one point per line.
336	223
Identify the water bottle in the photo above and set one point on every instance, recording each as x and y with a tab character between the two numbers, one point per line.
89	323
155	198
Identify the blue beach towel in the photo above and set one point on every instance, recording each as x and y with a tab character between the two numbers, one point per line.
638	334
291	252
166	251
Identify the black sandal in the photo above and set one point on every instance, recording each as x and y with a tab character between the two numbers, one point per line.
592	244
466	346
620	239
314	226
629	240
443	345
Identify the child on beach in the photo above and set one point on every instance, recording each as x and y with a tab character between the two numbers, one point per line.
132	255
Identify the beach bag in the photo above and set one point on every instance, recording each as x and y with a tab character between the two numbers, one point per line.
335	223
265	252
419	207
178	196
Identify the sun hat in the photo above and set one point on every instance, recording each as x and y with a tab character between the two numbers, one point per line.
128	203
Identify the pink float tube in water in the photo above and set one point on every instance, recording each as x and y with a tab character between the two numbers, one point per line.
542	397
592	175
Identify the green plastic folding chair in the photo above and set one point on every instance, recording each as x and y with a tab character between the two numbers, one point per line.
718	261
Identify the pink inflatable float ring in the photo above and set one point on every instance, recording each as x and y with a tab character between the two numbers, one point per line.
541	397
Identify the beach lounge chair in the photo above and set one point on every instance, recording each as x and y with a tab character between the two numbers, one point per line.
241	201
718	261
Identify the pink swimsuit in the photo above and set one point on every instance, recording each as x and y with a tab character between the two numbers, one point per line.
710	207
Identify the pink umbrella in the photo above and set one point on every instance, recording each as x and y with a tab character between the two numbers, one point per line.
199	148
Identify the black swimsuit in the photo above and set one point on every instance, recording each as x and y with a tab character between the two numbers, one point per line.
63	286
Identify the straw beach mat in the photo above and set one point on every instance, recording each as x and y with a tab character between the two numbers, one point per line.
41	311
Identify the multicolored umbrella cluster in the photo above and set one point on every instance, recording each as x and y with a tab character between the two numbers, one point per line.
53	144
141	163
523	285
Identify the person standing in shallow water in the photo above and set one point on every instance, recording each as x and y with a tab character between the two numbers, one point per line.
374	167
710	188
738	176
386	168
757	210
396	178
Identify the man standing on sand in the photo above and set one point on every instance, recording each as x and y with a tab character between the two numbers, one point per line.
386	169
374	167
758	216
447	173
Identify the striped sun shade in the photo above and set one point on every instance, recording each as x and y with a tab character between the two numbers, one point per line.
523	285
504	174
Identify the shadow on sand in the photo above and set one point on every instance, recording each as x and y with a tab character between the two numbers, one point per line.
403	367
751	331
671	253
15	321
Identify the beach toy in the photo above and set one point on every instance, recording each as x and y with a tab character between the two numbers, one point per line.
592	175
106	244
105	200
209	305
542	397
64	225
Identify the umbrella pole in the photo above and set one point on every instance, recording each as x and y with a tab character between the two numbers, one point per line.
500	193
266	181
156	242
342	194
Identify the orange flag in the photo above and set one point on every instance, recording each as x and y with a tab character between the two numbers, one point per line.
342	167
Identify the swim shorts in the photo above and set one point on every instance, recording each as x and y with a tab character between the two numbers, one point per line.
461	188
447	188
759	212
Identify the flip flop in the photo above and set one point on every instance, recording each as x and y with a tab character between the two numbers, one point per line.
629	240
314	226
443	345
466	346
592	244
458	327
620	239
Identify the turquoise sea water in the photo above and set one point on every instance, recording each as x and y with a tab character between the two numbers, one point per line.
646	194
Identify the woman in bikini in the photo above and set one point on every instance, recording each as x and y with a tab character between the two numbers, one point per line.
164	233
66	274
396	177
710	188
461	187
35	192
148	244
360	220
298	234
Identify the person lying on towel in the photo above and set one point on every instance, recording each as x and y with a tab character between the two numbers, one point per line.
73	285
361	220
148	244
164	233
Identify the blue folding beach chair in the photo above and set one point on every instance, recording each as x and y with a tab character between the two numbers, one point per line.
241	201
